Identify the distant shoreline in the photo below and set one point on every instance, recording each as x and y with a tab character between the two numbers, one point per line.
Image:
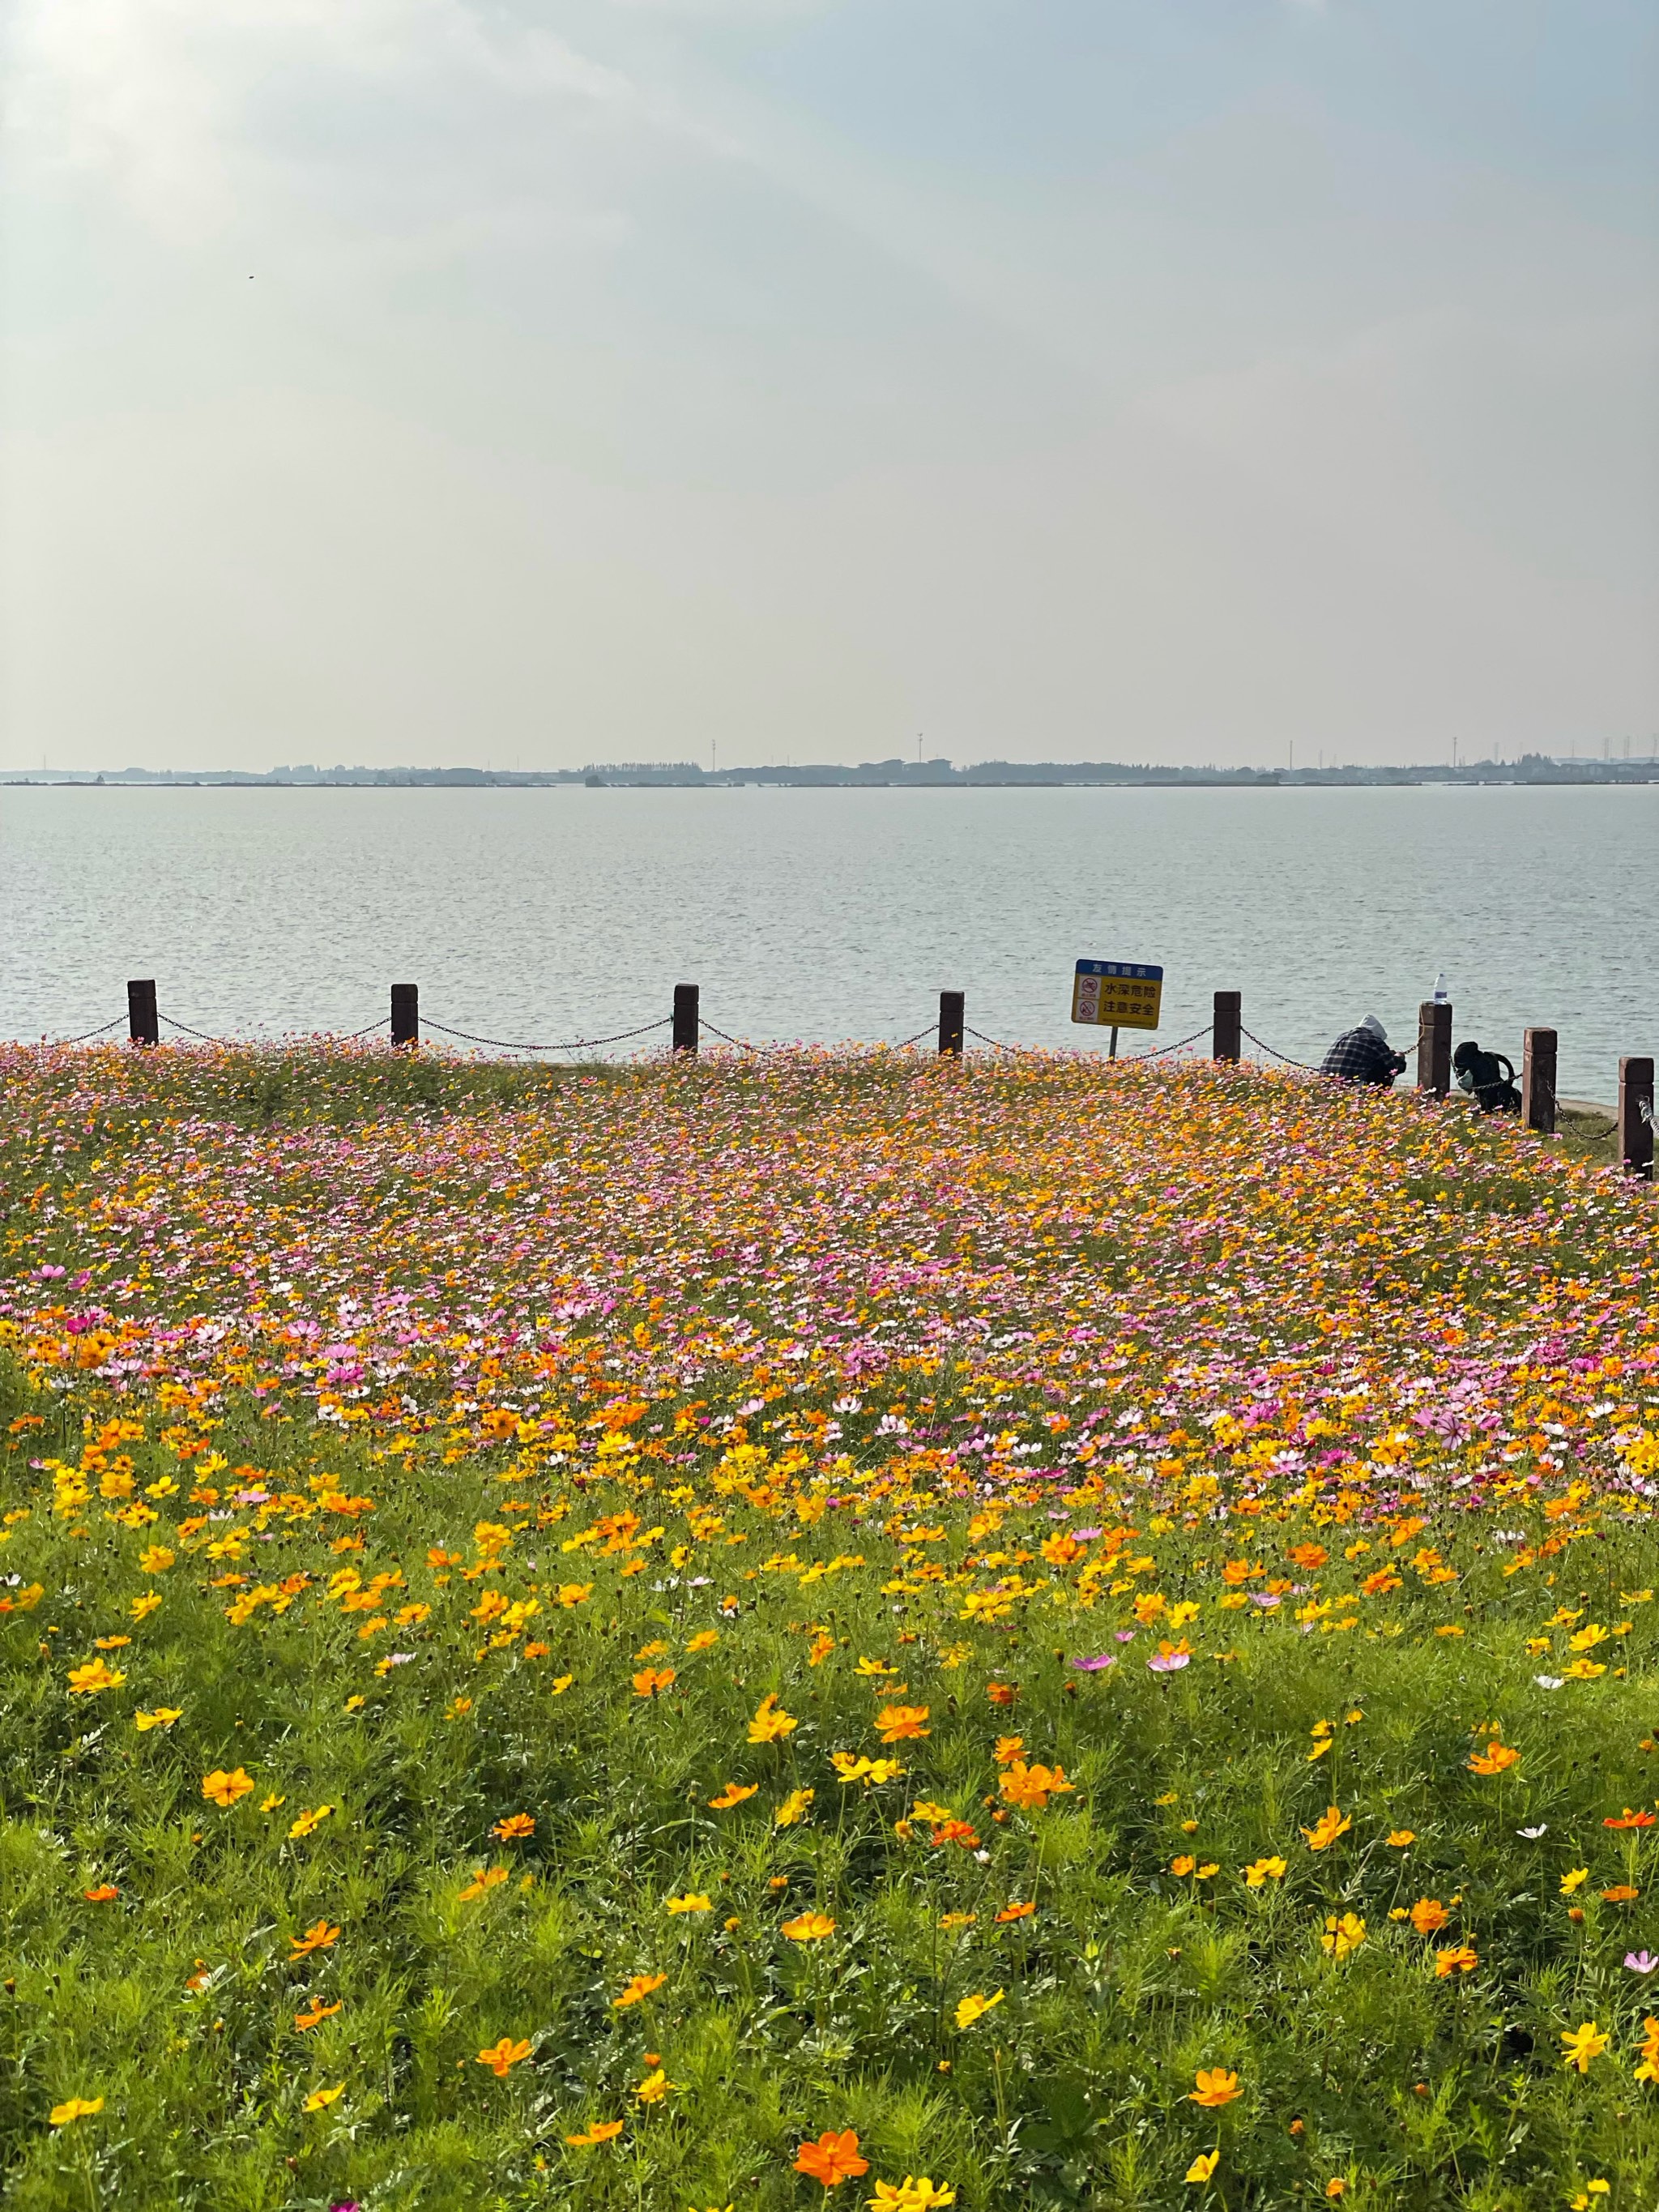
1613	775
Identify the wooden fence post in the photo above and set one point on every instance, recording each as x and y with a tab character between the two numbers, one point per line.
952	1006
1226	1023
1636	1117
1538	1081
683	1035
142	1026
1434	1021
405	1013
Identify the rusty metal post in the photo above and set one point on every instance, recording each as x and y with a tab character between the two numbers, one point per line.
1538	1081
1434	1025
405	1013
143	1025
953	1006
1225	1024
687	1018
1636	1117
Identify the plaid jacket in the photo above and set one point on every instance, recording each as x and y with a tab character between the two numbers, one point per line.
1361	1056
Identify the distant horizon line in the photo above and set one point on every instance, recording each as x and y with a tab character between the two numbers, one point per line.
937	773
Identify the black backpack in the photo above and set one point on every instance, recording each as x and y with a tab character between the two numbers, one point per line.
1488	1077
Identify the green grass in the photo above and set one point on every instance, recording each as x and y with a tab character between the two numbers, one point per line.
1073	2091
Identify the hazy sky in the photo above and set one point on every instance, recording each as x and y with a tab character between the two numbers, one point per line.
443	380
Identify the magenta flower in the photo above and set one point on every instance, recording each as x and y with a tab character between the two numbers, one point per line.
1641	1962
1167	1663
1093	1666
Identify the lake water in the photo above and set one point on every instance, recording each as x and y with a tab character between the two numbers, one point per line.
565	913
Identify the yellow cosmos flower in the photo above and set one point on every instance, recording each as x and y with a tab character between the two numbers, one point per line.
974	2007
1582	2045
162	1718
771	1723
1263	1870
223	1789
73	2109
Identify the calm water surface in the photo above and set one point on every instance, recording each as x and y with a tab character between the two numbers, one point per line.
544	915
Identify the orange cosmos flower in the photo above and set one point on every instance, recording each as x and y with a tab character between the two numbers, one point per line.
636	1991
1008	1749
224	1789
1002	1694
1460	1959
1031	1786
898	1723
502	2056
106	1893
651	1681
1015	1912
733	1794
602	2131
515	1825
95	1675
1621	1894
1216	2088
319	1938
1428	1914
833	2158
1326	1829
1494	1759
809	1928
704	1639
305	2022
484	1880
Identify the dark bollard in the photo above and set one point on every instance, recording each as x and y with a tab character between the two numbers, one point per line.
687	1020
953	1006
405	1013
1538	1081
1636	1117
1434	1021
1226	1026
143	1026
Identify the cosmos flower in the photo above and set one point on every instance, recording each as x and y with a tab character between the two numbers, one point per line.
834	2158
1215	2087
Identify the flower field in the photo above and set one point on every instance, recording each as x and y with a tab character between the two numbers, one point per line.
845	1632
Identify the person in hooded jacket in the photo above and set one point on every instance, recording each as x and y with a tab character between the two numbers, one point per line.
1363	1055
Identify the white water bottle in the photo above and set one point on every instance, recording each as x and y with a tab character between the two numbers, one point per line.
1441	996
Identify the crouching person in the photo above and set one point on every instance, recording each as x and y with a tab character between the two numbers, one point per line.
1363	1055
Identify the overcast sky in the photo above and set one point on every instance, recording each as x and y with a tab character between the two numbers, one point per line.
540	381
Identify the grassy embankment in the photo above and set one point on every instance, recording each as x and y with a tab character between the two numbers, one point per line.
962	1605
